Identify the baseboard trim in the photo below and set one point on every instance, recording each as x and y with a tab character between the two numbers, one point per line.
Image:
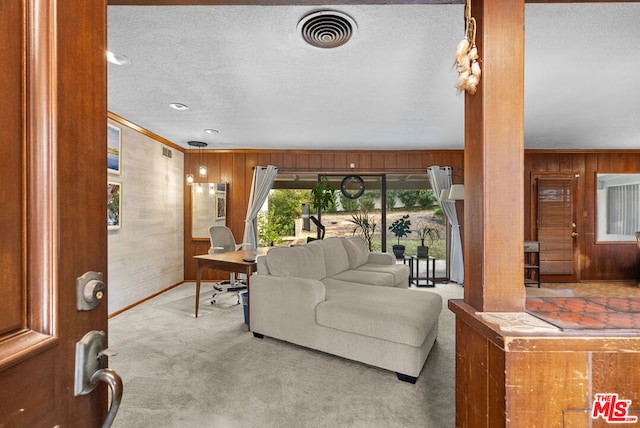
145	299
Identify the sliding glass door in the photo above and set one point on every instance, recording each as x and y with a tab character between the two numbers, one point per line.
363	205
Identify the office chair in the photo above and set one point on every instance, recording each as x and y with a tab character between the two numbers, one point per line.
222	241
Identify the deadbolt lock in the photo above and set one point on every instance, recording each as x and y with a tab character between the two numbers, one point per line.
89	291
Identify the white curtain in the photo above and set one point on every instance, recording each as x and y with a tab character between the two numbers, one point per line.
440	178
263	178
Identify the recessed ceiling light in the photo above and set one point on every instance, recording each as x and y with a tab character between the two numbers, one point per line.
179	106
211	131
118	59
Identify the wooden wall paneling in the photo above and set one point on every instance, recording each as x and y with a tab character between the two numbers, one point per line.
614	372
264	159
496	386
471	377
277	159
597	261
238	197
605	162
377	161
340	161
364	160
390	161
447	159
553	162
428	159
541	386
326	161
415	161
226	168
565	162
302	161
402	160
315	161
214	168
618	161
353	158
289	159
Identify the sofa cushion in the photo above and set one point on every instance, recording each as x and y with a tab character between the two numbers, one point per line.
302	262
363	277
398	315
335	256
357	251
400	272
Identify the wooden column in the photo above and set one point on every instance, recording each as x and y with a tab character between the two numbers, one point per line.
494	162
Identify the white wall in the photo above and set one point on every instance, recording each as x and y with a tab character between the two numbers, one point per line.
147	254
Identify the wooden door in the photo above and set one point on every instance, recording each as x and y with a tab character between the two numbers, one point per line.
53	200
555	225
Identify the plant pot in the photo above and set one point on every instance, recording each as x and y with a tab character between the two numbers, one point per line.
423	252
398	251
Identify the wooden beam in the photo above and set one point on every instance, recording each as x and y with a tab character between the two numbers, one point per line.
494	162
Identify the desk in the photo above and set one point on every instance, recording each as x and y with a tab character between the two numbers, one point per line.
230	262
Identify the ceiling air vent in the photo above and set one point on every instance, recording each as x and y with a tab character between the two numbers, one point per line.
327	28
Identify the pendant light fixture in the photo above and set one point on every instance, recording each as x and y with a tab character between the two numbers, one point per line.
202	169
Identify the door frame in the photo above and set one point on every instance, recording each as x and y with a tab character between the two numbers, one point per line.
575	189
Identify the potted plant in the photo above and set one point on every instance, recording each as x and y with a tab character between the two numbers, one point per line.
424	231
400	228
365	226
322	195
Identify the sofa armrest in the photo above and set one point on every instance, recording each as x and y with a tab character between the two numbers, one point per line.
283	306
379	258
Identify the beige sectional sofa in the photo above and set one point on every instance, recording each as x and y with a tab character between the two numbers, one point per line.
335	296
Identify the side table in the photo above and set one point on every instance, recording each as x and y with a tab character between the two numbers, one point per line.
415	278
409	260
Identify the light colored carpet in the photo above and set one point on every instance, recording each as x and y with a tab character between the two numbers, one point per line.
179	371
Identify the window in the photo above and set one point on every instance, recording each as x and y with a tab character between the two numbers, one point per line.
618	205
285	218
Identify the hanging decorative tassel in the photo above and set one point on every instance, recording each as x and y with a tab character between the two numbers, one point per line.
467	59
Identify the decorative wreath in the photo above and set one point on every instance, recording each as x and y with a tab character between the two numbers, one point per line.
467	59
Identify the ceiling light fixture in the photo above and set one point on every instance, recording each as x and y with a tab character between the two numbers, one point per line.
211	131
118	59
202	170
179	106
327	28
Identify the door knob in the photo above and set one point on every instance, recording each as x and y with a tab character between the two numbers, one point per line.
574	234
90	352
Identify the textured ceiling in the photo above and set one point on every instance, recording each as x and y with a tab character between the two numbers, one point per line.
244	71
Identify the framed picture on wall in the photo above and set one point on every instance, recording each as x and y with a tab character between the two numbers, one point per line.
114	205
114	160
220	207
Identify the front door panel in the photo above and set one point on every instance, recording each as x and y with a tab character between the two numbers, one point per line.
556	227
53	199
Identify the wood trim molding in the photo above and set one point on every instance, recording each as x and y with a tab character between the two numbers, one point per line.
122	121
133	305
